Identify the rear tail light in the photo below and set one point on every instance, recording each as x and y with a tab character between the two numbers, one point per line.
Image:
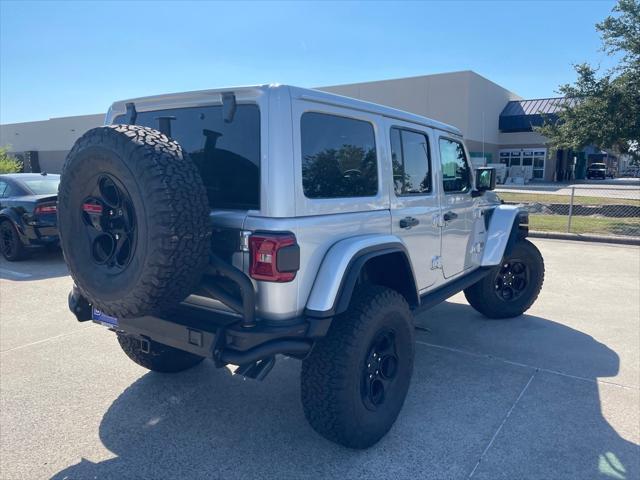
274	257
45	209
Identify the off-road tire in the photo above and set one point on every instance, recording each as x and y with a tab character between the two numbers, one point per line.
331	378
171	215
16	251
160	358
482	297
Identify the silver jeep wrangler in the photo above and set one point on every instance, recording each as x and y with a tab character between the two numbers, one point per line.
241	223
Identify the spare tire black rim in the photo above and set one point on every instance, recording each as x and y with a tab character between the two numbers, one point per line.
512	280
380	368
110	223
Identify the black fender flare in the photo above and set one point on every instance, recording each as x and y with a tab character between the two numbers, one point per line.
519	231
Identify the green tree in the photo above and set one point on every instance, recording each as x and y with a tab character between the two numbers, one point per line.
8	163
604	110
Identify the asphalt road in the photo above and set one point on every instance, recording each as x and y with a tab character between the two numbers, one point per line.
554	394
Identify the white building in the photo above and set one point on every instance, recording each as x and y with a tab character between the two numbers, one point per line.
496	122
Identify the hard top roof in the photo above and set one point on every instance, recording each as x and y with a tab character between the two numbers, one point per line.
195	97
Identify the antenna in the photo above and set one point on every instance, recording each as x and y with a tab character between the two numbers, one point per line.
483	157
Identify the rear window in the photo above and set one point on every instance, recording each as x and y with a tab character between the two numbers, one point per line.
227	154
43	186
338	157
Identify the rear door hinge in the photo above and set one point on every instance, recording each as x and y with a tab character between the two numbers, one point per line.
477	247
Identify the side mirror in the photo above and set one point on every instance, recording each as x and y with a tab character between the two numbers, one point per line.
485	180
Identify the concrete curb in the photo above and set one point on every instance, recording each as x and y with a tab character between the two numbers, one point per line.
586	238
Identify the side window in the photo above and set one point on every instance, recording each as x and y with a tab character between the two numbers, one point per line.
338	157
4	191
411	162
456	174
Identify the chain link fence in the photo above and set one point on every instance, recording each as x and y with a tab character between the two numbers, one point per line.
581	209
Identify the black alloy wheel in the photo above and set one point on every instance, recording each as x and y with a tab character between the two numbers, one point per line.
512	280
110	223
10	244
380	369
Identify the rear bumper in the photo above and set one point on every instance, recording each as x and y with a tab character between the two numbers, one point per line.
42	235
213	337
220	337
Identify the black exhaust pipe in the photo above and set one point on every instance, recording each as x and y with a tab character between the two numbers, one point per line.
290	347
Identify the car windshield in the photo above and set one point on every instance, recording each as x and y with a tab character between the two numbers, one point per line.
42	186
598	166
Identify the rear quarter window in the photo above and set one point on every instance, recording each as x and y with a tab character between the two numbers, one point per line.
338	157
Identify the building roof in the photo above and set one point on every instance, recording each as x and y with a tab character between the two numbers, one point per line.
523	115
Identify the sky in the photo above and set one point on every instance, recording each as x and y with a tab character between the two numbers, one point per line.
72	58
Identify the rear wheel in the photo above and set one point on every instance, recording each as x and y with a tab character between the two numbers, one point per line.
10	243
157	357
355	380
511	287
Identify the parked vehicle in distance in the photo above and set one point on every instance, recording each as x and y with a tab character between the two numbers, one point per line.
28	204
597	171
243	223
631	172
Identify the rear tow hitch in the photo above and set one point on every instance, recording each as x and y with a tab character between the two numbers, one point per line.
79	305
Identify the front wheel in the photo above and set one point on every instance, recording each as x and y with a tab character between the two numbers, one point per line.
355	380
157	357
512	287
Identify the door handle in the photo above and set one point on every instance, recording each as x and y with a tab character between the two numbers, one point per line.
408	222
449	216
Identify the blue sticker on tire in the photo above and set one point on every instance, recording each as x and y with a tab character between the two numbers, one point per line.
104	319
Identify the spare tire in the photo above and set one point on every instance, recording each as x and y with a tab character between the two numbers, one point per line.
134	221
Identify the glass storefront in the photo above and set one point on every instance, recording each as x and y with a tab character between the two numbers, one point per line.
526	158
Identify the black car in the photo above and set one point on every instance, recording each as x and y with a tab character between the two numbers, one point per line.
28	207
597	170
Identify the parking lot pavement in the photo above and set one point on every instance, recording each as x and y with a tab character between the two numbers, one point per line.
553	394
627	188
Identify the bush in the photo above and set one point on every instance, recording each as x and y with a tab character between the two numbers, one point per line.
8	163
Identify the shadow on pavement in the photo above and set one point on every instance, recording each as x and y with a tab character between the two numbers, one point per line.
206	423
40	265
